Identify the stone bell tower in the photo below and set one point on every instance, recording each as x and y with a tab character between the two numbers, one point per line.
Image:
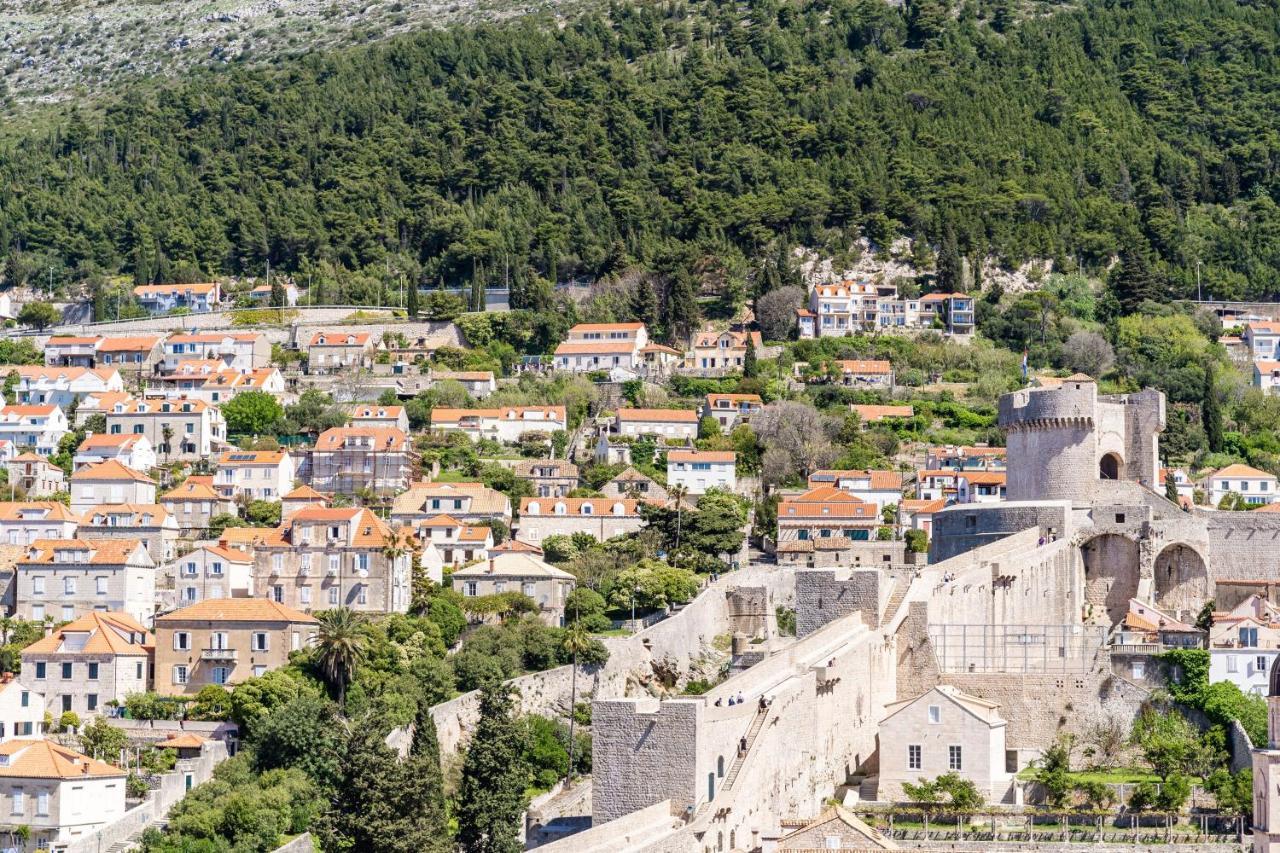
1266	776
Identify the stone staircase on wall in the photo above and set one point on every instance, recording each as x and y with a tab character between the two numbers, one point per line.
900	587
132	842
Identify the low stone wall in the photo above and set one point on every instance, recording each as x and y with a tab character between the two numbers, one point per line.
672	646
302	844
173	787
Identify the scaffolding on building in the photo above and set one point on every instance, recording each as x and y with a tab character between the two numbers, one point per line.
1045	649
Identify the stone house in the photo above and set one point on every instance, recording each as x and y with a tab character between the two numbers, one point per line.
479	383
870	413
301	498
226	641
71	351
945	731
602	518
715	353
335	557
550	478
58	793
226	384
131	451
467	502
630	483
548	586
181	430
254	474
209	571
347	460
99	658
194	503
729	410
387	417
99	404
457	544
239	351
822	527
834	829
136	356
23	522
332	352
109	483
35	475
700	470
150	523
66	578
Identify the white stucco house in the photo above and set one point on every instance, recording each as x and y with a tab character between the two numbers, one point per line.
700	470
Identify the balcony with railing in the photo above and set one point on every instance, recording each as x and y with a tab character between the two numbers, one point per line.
219	654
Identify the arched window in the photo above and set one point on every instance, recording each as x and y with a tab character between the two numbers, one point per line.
1109	467
720	766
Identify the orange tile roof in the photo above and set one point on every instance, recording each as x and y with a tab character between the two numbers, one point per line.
826	494
28	456
384	438
186	740
54	510
1265	327
879	480
1238	470
515	546
305	493
104	400
135	343
161	289
869	367
464	375
735	398
984	478
106	439
103	552
913	506
111	470
104	629
606	327
828	509
194	488
236	610
339	339
702	456
27	411
552	414
70	340
586	347
573	506
660	415
440	521
44	759
250	457
869	413
377	412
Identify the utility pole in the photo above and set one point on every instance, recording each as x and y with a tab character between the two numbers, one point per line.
1198	297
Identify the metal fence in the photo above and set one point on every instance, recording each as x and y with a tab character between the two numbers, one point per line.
1016	648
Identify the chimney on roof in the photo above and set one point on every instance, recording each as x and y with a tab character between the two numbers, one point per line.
491	565
48	629
6	677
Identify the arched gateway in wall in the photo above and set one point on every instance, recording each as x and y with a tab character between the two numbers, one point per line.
1112	566
1181	579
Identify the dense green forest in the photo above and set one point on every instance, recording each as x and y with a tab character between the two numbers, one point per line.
694	140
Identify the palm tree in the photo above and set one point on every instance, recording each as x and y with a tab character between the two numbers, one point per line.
577	640
341	645
678	493
7	624
166	432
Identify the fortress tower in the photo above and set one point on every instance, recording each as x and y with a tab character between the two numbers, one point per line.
1266	776
1064	441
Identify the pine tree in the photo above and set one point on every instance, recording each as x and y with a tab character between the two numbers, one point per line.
1211	412
749	367
425	802
411	301
383	803
494	775
1133	283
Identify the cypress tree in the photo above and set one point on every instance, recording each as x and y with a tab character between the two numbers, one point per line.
411	301
749	367
1211	411
278	297
1170	487
494	775
682	309
644	304
950	271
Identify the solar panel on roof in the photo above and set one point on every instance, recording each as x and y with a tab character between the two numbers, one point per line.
241	457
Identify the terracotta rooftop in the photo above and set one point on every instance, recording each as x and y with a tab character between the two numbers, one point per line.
236	610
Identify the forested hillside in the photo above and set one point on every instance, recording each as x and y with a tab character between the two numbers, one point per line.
689	138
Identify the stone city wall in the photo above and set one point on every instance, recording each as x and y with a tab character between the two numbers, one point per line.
824	595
